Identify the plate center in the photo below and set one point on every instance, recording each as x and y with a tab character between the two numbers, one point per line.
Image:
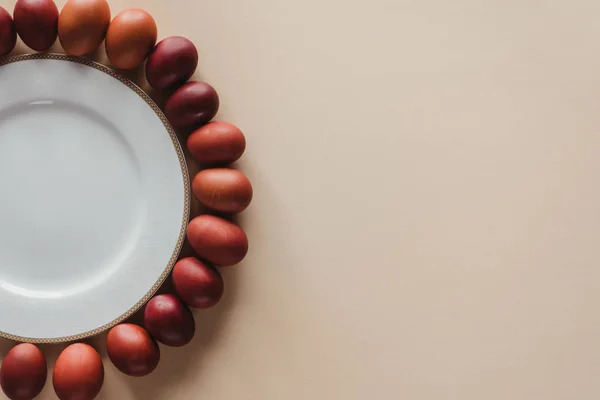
70	208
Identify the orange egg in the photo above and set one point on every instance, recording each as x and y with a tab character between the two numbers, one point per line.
217	142
222	189
78	373
82	25
217	240
130	38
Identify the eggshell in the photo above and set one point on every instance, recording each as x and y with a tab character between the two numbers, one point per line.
169	321
217	240
78	373
172	62
82	25
193	104
198	284
36	22
23	372
222	189
217	142
130	38
8	33
132	350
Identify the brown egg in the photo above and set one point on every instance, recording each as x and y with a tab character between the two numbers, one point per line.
199	285
222	189
8	33
169	321
36	22
78	373
23	372
82	25
217	142
172	62
130	38
132	350
217	240
193	104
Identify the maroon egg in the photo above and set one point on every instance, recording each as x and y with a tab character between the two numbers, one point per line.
169	321
132	350
8	33
172	62
222	189
23	372
78	373
217	142
217	240
37	23
198	284
193	104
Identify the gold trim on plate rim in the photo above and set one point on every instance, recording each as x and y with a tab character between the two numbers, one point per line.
186	184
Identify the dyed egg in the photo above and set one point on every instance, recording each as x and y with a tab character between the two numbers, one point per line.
217	143
169	321
78	373
172	62
193	104
198	284
222	189
217	240
36	22
82	25
130	38
132	350
23	372
8	33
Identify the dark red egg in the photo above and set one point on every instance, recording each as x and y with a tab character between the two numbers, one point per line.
217	142
198	284
217	240
193	104
8	33
23	372
37	23
78	373
132	350
172	62
169	321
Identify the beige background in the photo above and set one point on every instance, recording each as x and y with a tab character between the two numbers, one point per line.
427	202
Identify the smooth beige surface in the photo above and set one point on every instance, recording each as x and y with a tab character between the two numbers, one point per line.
427	202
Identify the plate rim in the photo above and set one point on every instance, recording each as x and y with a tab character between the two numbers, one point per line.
186	183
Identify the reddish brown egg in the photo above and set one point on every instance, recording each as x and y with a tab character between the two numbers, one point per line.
82	25
36	22
217	240
172	62
8	33
130	38
78	373
222	189
193	104
217	142
169	321
132	350
23	372
199	285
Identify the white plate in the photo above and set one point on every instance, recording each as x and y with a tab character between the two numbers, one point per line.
94	202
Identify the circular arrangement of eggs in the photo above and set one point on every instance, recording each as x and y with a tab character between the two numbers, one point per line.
130	40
